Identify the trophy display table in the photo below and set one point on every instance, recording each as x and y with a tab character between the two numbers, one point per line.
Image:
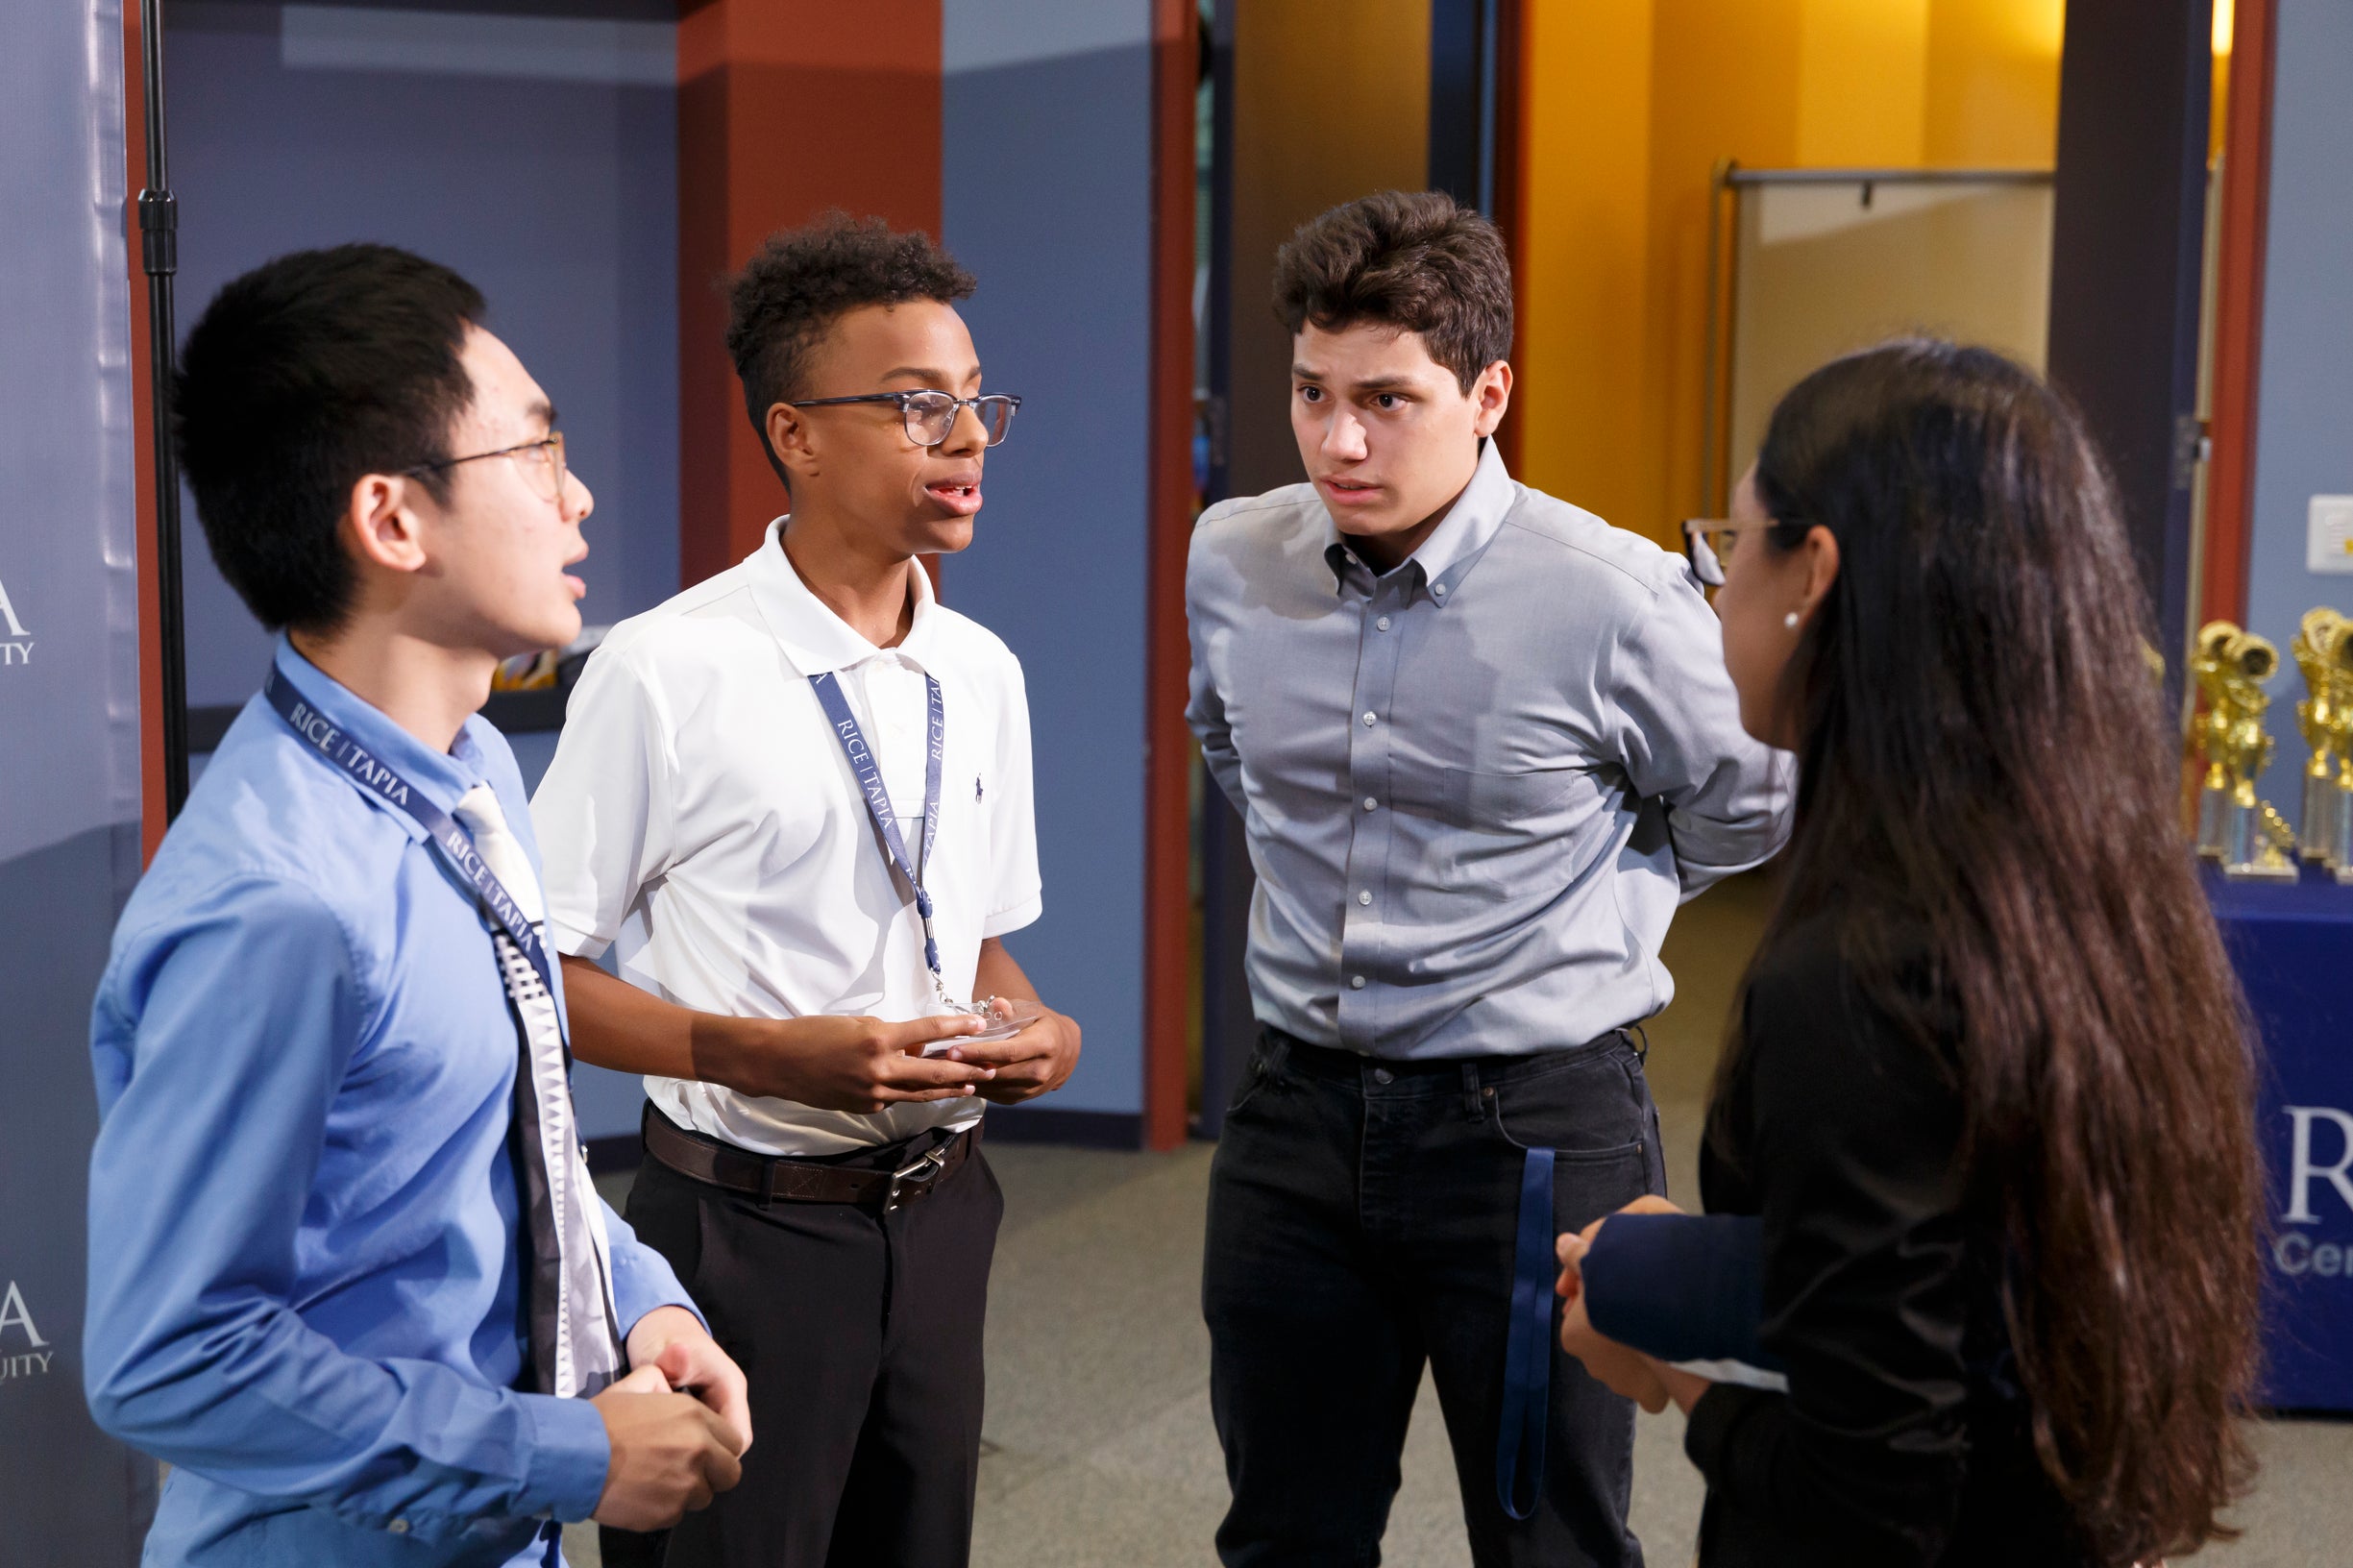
2293	946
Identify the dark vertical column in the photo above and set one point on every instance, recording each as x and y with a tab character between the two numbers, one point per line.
1227	1021
1506	162
1292	140
1168	880
2127	254
2238	325
1456	55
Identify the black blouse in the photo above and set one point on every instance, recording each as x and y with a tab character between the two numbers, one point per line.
1903	1440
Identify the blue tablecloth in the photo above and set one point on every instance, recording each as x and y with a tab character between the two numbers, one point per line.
2293	949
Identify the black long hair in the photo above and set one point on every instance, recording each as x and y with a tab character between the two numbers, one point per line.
1988	773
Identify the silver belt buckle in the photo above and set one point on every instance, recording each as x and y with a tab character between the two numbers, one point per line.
930	1164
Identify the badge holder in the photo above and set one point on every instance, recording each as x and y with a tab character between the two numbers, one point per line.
1005	1016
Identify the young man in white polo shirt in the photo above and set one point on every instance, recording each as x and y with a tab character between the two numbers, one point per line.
795	803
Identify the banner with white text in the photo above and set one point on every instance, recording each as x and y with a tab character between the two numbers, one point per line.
69	746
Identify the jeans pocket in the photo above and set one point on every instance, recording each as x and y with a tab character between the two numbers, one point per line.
1264	1070
1589	1107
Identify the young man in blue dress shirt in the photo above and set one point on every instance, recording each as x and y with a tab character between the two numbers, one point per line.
1483	745
345	1263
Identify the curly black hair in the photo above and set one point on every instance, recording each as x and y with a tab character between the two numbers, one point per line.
802	280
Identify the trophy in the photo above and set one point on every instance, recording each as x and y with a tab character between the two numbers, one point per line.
2235	825
2340	733
2323	649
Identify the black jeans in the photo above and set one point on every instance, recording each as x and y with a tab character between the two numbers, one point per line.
1361	1221
860	1335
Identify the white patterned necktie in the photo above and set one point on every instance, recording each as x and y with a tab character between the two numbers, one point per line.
576	1341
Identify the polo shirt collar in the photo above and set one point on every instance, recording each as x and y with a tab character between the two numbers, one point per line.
1454	547
444	776
816	640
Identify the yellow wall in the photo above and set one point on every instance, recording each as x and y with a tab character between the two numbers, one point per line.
1582	349
1993	83
1631	105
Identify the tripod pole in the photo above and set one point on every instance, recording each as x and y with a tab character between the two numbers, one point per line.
159	256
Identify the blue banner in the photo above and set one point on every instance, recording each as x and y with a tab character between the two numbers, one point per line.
70	763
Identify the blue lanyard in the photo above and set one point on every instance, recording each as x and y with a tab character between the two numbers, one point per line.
1527	1345
380	778
869	769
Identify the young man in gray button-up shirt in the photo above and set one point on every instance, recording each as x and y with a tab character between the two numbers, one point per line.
1483	743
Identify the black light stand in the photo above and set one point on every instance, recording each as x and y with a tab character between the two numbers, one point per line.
159	255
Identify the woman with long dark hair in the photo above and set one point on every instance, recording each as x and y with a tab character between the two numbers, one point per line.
1988	1095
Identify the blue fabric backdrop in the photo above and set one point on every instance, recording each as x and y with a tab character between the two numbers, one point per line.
70	763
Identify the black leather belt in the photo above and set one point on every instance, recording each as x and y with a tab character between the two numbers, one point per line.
773	1179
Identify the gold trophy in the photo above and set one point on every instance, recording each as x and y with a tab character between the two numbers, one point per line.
2340	855
2322	647
2235	825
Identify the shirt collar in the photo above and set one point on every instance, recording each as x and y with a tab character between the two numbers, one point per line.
444	776
1454	547
816	639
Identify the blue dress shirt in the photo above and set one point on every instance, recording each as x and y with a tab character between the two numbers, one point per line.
306	1266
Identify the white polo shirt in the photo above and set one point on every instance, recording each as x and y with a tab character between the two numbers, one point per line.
701	814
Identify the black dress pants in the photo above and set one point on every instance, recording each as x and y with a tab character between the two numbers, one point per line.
1362	1222
860	1335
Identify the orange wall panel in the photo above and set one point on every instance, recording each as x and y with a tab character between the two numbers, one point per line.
786	108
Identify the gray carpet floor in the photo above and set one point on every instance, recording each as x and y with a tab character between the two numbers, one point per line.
1099	1449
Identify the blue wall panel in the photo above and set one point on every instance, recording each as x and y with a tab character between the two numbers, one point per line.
557	197
1048	201
2304	409
69	766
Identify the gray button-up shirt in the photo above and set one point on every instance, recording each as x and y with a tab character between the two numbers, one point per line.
1476	786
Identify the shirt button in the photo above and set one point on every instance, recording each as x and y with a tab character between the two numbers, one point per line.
1439	590
1371	804
1365	898
1382	622
1356	982
398	1526
1369	720
1383	1076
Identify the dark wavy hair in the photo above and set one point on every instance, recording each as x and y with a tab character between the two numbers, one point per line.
1411	259
1989	774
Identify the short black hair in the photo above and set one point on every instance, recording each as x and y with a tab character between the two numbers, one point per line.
803	280
301	376
1411	259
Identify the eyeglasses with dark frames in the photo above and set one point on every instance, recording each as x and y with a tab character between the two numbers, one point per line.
1708	542
542	462
930	416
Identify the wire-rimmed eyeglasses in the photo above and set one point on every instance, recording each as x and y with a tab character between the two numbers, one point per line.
930	416
542	462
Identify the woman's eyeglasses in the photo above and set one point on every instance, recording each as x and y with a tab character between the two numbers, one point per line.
1708	543
930	416
542	462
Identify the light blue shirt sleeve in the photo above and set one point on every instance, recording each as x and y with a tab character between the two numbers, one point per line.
196	1351
1677	730
642	1277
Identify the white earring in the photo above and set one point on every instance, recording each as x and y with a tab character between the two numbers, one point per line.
1790	620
